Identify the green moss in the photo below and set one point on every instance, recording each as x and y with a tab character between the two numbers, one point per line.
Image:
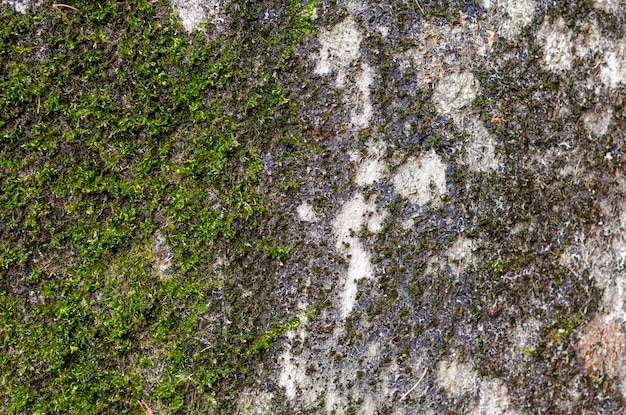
113	133
561	330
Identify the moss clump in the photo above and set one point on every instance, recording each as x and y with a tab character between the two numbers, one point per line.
114	135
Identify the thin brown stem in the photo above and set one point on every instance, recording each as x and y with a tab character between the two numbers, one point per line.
57	7
145	408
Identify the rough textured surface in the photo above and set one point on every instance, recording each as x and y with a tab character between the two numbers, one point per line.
464	214
492	149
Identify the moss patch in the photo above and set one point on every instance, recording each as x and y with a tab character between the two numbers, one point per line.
118	137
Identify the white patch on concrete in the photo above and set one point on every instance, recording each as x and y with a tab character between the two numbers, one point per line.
451	97
372	351
350	220
372	167
306	213
597	122
421	180
460	254
388	382
354	215
610	6
443	49
370	171
369	407
590	41
332	400
375	221
354	6
340	47
612	55
358	268
340	50
21	5
361	109
460	379
407	224
506	18
526	335
454	92
558	48
194	13
518	14
254	402
383	30
493	399
480	149
457	378
613	70
292	374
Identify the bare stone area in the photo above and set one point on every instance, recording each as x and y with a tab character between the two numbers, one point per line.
489	315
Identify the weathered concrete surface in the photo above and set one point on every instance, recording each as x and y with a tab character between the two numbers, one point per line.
477	159
474	137
465	218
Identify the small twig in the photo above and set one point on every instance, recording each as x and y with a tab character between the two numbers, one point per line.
414	386
419	6
57	7
145	408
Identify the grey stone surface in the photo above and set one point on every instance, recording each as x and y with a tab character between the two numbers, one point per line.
466	219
